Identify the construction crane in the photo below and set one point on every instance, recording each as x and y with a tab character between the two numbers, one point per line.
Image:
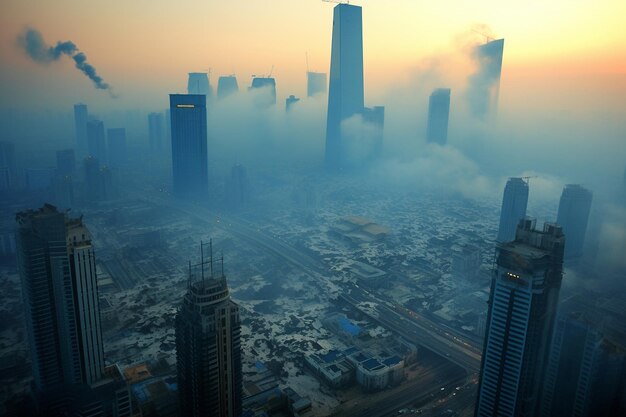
488	37
336	1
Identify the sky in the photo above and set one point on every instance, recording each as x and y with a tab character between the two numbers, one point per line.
564	49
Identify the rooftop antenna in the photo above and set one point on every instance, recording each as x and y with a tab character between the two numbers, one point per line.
336	1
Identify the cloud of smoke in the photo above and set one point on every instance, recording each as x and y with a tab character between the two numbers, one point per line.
36	48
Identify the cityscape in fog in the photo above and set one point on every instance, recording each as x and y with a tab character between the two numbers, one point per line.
313	208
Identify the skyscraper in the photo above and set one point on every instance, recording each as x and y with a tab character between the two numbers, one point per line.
484	85
155	132
290	101
345	96
96	145
573	217
514	202
374	119
586	369
438	115
267	97
81	116
226	86
198	83
208	350
116	146
522	308
315	83
189	145
58	272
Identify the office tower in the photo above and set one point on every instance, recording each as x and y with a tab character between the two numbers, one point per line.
98	181
484	85
585	371
267	97
522	308
7	164
345	96
315	83
290	101
573	217
116	146
155	132
514	202
66	162
57	266
81	116
238	192
198	83
208	350
189	145
438	115
226	86
96	146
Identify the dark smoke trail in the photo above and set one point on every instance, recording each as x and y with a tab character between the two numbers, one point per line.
33	44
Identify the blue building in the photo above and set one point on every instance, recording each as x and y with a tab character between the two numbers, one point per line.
81	115
573	216
345	96
96	145
315	83
267	95
226	86
438	115
514	203
198	83
523	301
484	85
189	145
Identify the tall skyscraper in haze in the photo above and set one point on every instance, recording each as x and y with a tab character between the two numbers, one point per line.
58	271
116	146
7	165
189	145
514	203
522	308
438	115
96	145
267	97
315	83
208	349
586	369
226	86
81	116
155	132
198	83
484	85
573	217
345	94
290	101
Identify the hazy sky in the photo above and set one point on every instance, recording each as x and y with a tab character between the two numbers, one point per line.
144	48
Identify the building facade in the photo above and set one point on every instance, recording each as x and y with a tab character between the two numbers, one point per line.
96	145
573	216
189	145
438	115
514	203
226	86
81	116
522	309
315	83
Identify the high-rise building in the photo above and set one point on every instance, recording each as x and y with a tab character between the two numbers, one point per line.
189	145
522	309
198	83
573	216
58	272
315	83
66	162
98	180
586	369
116	146
374	119
208	349
484	85
345	95
226	86
81	116
267	96
155	132
514	203
290	101
96	145
438	115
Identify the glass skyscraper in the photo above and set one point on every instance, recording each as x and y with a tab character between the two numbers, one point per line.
438	115
573	216
189	145
514	203
345	95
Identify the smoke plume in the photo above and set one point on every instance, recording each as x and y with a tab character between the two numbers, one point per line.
36	48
